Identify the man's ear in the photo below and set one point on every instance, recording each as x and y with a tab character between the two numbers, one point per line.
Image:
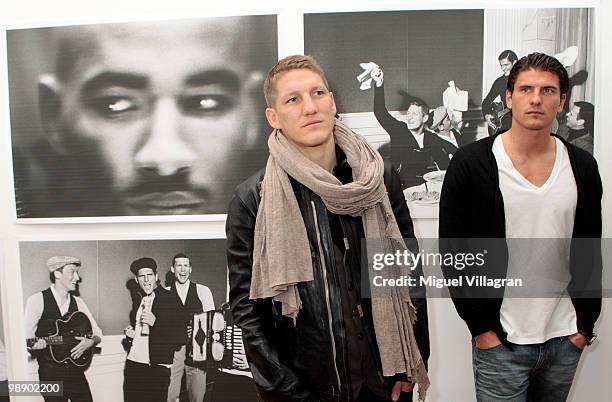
272	118
508	99
50	106
172	268
562	104
333	101
425	118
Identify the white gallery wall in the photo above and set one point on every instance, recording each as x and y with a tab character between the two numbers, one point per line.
450	362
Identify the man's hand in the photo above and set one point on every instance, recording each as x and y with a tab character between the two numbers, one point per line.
240	362
487	340
148	318
377	75
129	332
578	340
399	387
39	345
189	332
82	347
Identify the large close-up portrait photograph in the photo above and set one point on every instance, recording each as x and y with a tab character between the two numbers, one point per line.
137	119
149	320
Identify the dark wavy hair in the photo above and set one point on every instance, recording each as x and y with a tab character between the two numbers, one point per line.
540	62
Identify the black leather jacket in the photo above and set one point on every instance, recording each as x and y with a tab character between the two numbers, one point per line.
307	361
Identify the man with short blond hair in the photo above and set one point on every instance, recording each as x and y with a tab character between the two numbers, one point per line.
285	65
294	235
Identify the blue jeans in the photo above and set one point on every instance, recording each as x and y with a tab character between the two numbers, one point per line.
540	372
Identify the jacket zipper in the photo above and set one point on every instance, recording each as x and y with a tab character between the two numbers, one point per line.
360	310
327	302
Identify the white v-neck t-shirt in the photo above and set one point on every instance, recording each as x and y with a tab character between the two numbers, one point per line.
539	226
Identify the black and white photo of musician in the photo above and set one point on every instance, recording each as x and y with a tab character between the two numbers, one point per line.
43	310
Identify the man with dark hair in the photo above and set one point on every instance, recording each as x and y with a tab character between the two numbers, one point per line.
156	331
522	185
195	299
294	239
131	133
580	124
413	148
42	310
496	113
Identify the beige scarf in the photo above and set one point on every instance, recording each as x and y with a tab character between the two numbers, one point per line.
282	258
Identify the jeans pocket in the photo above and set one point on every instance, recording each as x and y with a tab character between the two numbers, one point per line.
571	344
490	357
494	348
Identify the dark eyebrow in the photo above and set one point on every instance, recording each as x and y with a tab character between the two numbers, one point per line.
114	79
225	78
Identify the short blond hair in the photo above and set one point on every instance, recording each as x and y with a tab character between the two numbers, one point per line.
289	63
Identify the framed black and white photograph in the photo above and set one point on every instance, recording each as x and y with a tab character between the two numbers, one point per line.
128	126
105	281
420	84
137	121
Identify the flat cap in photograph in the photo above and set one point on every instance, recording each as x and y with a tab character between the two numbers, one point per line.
438	116
60	261
141	263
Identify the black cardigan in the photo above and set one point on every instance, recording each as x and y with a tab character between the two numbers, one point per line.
472	206
168	333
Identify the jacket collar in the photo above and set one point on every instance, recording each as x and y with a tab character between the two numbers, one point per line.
342	170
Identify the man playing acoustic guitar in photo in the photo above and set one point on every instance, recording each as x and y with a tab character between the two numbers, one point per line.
42	312
494	109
